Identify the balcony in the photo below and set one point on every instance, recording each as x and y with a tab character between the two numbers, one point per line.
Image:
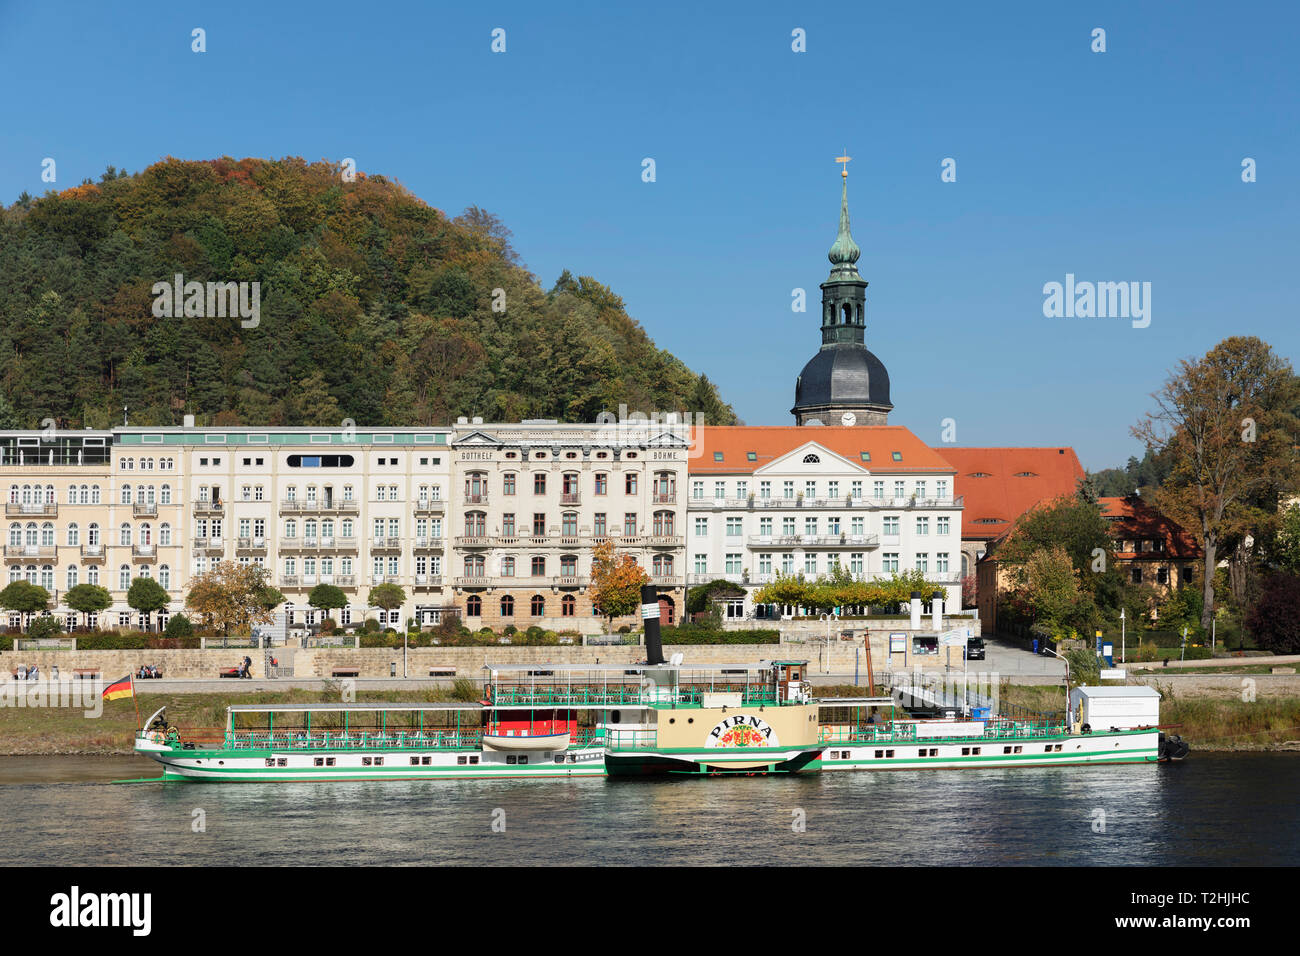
385	544
19	551
570	498
209	544
812	541
49	509
473	581
209	507
428	544
250	544
664	498
666	580
143	552
848	502
313	506
476	499
429	506
345	580
428	580
144	509
92	552
474	541
666	540
571	581
339	544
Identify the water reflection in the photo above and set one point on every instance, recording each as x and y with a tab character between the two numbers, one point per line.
1212	810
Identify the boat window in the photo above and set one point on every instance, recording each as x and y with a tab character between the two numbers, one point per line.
270	761
559	758
415	761
879	754
365	761
511	759
319	761
329	761
889	753
965	751
975	750
282	761
462	759
1017	750
614	716
379	761
426	761
473	759
1006	750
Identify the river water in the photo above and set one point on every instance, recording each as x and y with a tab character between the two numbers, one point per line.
1211	810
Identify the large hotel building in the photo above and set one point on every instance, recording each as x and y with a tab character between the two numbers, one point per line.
497	521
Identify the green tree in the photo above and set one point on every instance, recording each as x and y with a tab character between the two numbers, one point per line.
45	626
386	596
326	597
88	598
147	596
1227	423
178	625
24	596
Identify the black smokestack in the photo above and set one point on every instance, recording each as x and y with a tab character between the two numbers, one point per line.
654	649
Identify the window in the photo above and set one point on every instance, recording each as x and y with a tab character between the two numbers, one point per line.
734	563
598	524
889	524
811	459
734	527
889	561
701	527
719	490
629	523
701	564
765	489
537	606
941	525
941	562
923	561
697	489
538	566
474	606
568	605
539	524
856	563
810	526
1136	575
507	606
922	525
788	489
602	484
539	483
765	564
832	489
508	483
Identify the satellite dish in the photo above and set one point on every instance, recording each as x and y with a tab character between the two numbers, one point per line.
676	659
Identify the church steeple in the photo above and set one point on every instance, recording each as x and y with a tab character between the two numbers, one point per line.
844	252
844	383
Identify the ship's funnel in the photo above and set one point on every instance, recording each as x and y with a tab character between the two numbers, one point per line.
654	650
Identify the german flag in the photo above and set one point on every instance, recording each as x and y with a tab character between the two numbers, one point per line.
120	688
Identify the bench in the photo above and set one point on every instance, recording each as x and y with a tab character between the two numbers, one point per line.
442	672
85	673
346	672
228	672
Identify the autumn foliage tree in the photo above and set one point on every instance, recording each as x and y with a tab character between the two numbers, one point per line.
616	580
1227	425
233	596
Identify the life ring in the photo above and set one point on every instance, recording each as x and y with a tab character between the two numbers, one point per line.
156	737
824	734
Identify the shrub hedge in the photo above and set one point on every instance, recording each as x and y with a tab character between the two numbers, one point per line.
700	635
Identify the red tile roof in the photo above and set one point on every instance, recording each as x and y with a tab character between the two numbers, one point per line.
1001	484
1135	520
734	443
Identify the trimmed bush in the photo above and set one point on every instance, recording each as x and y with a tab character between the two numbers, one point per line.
699	635
178	626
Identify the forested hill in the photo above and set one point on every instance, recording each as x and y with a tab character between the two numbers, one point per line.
375	307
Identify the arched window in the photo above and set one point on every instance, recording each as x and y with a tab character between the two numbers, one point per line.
663	523
13	494
74	535
538	605
92	574
811	459
164	534
32	534
92	534
94	494
507	606
663	564
49	494
47	577
15	535
124	534
47	534
568	605
165	495
290	528
126	494
72	576
124	578
146	534
474	606
165	576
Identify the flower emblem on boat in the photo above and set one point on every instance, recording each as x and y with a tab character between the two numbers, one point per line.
743	730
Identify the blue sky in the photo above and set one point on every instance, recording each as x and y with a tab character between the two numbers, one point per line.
1115	166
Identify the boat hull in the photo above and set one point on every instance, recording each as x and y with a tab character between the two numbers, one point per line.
224	766
1135	746
710	763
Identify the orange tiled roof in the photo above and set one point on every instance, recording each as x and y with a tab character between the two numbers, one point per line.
1001	484
1133	519
735	444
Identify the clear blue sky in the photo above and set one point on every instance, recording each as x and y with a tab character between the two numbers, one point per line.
1123	165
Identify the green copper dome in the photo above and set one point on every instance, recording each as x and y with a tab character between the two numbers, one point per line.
844	252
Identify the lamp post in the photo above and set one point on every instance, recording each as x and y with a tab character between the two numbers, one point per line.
1067	682
1121	636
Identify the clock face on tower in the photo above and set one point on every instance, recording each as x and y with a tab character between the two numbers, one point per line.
848	418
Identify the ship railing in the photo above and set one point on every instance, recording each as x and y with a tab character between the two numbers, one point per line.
624	695
892	733
338	739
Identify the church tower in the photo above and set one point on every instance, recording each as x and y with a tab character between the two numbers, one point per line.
844	383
